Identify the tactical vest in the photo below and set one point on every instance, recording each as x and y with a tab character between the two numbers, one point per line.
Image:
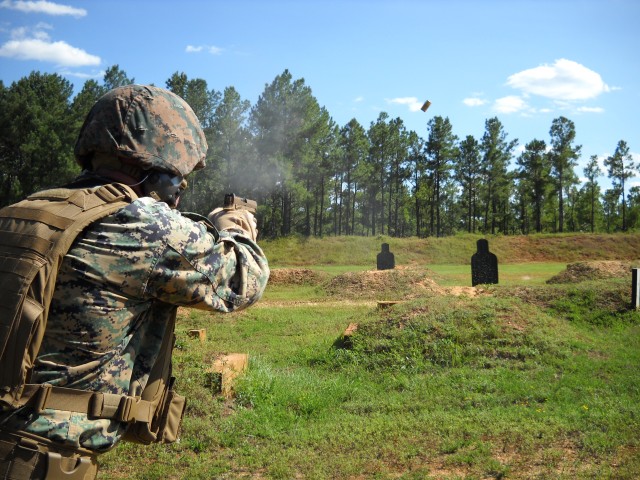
35	235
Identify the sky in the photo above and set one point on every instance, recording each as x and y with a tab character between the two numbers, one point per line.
526	62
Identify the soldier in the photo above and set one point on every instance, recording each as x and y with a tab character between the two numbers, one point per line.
102	371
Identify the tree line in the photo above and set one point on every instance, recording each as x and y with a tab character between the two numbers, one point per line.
312	176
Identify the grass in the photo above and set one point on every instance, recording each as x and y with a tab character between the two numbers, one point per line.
456	250
531	273
532	381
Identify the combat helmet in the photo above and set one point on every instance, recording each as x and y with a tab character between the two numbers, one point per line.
146	127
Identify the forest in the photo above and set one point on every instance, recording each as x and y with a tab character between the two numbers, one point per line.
313	177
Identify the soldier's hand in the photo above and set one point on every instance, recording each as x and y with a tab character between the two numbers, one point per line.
235	219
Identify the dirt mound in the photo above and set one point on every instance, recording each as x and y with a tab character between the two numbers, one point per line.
295	276
398	283
594	270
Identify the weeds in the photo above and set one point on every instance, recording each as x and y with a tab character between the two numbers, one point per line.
605	305
422	337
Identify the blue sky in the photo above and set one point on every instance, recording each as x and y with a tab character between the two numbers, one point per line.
523	61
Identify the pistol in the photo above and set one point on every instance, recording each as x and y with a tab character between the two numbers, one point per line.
234	202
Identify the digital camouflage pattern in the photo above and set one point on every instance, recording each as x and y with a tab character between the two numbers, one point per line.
145	126
115	293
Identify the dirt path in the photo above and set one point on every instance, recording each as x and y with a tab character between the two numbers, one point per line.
314	303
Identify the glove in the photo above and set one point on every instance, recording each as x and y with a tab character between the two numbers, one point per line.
235	219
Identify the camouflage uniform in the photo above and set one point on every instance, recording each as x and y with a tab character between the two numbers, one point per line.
121	282
115	291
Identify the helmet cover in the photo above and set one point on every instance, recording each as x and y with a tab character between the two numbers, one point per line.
145	126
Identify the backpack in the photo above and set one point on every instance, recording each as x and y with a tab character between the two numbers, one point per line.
35	235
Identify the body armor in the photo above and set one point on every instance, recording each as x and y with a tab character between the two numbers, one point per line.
35	235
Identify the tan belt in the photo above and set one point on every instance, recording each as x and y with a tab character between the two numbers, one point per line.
122	408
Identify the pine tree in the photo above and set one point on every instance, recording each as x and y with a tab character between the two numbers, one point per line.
564	157
496	155
535	167
468	172
592	172
441	151
621	168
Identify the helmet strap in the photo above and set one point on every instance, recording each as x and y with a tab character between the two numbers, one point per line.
164	187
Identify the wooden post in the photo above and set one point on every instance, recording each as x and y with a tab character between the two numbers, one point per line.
201	334
635	288
224	370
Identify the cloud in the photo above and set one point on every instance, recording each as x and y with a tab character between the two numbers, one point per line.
60	53
474	102
82	75
564	80
413	103
42	6
38	32
213	50
34	43
358	99
510	104
590	109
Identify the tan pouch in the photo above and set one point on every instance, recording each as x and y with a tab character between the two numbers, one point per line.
165	422
171	417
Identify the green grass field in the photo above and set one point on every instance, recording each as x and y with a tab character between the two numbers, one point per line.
525	380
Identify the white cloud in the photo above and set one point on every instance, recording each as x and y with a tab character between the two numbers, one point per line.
38	32
564	80
22	32
591	109
85	76
60	53
474	102
42	6
412	102
358	99
34	43
213	50
510	104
